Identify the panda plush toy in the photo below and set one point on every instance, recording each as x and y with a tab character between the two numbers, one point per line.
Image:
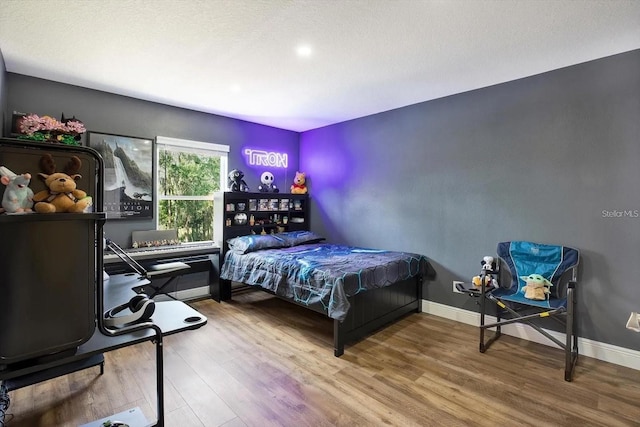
267	185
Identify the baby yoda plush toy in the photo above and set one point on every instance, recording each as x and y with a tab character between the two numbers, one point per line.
537	287
17	197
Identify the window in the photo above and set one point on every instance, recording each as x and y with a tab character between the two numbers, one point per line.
188	173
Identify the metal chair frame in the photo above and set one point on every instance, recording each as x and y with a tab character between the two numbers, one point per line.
565	315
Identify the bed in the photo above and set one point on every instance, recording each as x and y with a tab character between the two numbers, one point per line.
361	289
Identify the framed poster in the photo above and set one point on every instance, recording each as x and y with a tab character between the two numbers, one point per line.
128	174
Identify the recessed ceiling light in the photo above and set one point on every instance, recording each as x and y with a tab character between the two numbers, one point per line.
304	50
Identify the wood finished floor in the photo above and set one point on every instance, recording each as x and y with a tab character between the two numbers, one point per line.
264	362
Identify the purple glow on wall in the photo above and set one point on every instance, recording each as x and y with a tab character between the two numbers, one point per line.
325	159
263	158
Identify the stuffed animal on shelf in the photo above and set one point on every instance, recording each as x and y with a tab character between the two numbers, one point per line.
537	287
267	185
489	282
236	182
488	263
299	183
17	197
62	194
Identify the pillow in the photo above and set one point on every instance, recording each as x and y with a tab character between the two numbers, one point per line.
255	242
294	238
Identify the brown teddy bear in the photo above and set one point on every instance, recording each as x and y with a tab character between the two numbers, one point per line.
299	183
61	194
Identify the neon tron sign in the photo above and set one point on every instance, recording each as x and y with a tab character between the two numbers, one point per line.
266	158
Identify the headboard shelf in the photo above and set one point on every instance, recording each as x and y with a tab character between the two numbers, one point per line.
240	213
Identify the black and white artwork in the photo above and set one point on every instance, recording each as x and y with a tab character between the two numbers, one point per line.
128	174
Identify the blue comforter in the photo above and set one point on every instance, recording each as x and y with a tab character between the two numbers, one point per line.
322	273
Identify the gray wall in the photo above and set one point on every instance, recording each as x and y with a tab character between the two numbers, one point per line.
110	113
539	159
534	159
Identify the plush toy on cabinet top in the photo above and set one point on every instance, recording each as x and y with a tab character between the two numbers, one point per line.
236	181
267	185
299	184
17	197
62	194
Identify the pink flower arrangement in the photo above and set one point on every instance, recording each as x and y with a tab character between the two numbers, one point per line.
74	126
32	123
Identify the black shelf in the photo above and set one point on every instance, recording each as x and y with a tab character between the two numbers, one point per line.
273	212
170	316
226	205
51	306
40	376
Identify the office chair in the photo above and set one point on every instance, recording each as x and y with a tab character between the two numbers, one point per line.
535	291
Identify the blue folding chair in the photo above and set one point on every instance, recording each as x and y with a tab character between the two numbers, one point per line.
530	263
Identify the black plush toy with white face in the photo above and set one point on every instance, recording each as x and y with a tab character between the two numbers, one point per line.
267	185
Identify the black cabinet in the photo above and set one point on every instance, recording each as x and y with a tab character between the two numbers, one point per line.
48	272
47	296
203	260
239	214
52	294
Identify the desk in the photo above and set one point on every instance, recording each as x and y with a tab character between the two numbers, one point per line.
169	317
200	257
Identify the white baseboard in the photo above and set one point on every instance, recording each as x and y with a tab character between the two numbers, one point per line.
601	351
187	294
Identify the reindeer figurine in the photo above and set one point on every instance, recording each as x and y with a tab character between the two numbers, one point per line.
61	194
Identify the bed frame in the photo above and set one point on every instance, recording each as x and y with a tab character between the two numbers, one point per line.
370	310
375	308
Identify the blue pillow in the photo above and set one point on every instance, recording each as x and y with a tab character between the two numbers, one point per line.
255	242
295	238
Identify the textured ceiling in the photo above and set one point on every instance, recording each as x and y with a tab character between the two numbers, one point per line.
238	58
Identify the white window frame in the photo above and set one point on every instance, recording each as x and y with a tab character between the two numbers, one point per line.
195	147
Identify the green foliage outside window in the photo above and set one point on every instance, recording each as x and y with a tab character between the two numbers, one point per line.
187	182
